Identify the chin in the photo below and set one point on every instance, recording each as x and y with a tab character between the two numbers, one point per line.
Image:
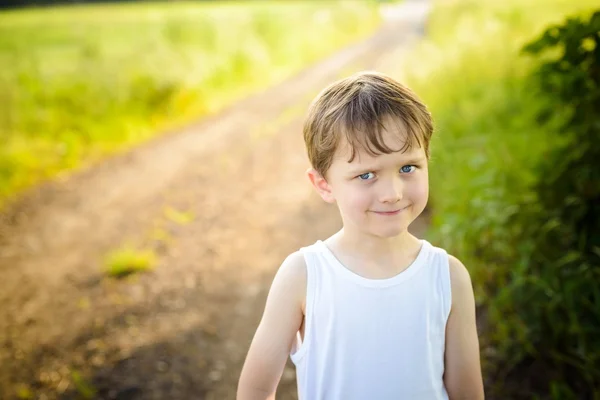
390	232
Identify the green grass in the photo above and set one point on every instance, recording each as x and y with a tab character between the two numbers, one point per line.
80	82
178	216
127	261
24	392
488	142
84	388
473	77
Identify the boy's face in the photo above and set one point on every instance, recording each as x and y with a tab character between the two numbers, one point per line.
377	195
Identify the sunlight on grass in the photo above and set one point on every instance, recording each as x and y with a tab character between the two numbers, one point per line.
488	143
177	216
473	76
88	80
127	261
160	235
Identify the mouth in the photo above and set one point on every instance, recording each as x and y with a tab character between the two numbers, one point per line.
394	212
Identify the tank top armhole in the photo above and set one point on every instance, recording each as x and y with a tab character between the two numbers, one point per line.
302	345
446	283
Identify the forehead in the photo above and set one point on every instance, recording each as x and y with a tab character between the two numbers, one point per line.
394	136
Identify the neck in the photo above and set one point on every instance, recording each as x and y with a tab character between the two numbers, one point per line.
374	247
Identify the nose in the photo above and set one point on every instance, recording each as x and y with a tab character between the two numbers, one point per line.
391	191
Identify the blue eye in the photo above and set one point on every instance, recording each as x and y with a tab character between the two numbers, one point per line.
407	169
366	176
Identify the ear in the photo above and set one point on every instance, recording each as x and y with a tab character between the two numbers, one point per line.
321	185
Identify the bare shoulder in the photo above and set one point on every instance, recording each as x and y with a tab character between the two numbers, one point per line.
459	274
294	264
290	279
460	280
293	269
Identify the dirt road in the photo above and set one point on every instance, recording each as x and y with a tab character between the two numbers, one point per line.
180	331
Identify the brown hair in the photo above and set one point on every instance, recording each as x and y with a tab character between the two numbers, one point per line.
356	107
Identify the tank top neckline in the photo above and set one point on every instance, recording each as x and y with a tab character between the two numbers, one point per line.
404	275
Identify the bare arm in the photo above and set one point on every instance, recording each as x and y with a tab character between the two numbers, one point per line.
275	334
462	376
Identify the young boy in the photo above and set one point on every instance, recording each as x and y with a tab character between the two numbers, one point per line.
371	313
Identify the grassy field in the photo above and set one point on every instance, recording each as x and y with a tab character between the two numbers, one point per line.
474	77
80	82
488	142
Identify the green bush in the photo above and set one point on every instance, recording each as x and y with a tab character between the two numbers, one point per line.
553	313
487	140
493	131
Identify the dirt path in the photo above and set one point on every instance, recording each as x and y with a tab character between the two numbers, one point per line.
182	330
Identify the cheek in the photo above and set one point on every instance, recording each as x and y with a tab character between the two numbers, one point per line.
354	200
420	189
361	201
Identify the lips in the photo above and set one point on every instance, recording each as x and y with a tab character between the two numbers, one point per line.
392	212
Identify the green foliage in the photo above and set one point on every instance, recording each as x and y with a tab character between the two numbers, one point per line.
24	392
493	150
127	261
488	138
83	387
553	317
78	83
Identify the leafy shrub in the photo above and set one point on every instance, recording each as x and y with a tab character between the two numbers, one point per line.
550	307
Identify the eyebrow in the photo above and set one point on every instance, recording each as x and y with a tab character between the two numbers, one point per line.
359	170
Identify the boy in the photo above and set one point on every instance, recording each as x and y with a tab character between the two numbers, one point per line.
371	312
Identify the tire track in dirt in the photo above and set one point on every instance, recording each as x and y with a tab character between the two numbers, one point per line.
182	330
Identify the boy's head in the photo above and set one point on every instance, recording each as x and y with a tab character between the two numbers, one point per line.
354	109
367	138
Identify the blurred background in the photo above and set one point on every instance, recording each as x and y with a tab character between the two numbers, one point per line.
151	181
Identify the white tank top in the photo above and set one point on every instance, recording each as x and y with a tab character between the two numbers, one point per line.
373	339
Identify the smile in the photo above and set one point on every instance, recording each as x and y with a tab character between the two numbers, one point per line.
395	212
